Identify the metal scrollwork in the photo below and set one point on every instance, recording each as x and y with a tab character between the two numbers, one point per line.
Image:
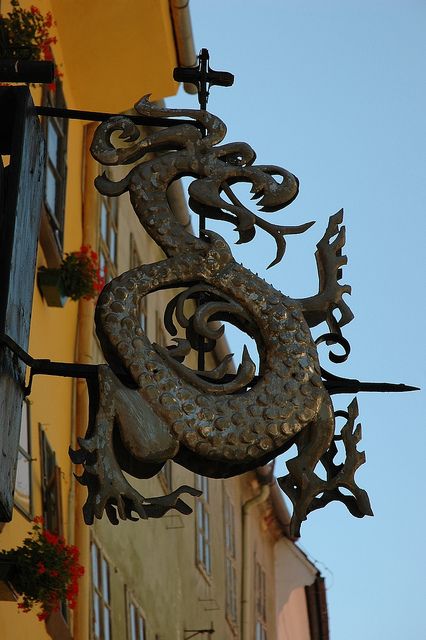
214	306
150	406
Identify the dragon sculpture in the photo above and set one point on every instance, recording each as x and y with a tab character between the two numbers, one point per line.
150	407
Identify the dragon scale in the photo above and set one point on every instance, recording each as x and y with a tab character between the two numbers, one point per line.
222	427
210	422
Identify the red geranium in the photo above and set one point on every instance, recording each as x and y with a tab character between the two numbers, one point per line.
57	574
80	274
26	35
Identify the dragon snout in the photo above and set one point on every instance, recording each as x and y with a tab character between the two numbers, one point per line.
276	194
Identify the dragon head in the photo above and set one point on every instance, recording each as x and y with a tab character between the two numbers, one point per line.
273	187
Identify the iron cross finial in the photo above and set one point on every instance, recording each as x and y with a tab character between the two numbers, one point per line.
204	77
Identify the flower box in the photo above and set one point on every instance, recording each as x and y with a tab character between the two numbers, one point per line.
79	276
50	284
34	71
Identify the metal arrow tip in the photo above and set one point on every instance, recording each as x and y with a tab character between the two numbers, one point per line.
386	387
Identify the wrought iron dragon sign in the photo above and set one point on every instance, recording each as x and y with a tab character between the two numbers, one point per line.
150	407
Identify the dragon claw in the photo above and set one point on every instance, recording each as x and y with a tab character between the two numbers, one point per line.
108	489
77	456
303	486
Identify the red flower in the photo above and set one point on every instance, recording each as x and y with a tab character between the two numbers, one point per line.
74	551
26	33
51	537
43	616
80	274
47	571
47	53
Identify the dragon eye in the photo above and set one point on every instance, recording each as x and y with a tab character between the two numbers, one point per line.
235	158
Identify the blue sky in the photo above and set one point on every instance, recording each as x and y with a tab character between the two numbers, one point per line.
335	92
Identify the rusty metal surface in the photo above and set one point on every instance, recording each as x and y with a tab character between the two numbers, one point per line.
215	424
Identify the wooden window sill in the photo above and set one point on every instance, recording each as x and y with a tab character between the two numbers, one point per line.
49	244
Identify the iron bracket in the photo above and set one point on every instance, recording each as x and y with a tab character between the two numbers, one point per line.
101	116
47	367
41	366
197	632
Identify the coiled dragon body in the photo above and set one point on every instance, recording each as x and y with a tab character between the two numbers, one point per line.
214	424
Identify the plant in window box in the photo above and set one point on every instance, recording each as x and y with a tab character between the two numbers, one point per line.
43	571
25	36
79	276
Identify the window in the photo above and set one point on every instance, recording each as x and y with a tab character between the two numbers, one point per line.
160	335
260	596
135	261
50	487
137	625
23	483
51	494
56	132
203	553
166	476
230	562
108	220
101	599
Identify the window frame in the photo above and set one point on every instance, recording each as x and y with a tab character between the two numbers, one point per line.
160	334
135	261
107	262
51	490
166	476
203	552
261	627
27	455
52	233
131	603
97	591
231	588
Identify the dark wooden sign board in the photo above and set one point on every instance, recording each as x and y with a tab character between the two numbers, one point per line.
21	192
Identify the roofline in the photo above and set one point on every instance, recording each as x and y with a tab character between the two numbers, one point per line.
265	475
184	39
316	601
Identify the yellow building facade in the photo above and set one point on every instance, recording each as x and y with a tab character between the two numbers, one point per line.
180	576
